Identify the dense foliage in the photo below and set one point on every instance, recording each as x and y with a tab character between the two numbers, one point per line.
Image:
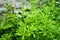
40	22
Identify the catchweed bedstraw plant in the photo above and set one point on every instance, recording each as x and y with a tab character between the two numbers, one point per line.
36	24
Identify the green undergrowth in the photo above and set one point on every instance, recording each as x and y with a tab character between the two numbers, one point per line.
36	23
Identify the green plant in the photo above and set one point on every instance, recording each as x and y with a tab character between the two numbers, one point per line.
36	24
